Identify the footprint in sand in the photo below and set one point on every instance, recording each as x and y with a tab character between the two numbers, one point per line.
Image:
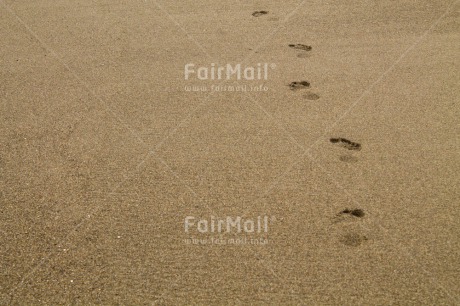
311	96
259	13
353	239
299	85
303	48
349	214
345	143
350	235
357	212
300	47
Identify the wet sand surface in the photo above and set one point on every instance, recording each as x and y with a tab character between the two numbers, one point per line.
349	158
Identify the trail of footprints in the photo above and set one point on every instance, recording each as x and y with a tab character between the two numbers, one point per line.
350	238
353	238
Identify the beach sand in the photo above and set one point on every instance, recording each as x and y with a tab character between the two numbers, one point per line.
352	172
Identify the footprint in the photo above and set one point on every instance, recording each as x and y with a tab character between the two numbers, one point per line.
353	239
354	212
348	215
348	158
345	143
299	85
300	47
259	13
311	96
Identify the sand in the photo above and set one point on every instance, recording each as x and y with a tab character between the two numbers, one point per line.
346	181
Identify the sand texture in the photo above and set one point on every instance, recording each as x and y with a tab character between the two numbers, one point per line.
343	156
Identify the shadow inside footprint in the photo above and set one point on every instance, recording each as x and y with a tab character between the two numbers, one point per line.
311	96
299	85
348	158
353	239
303	55
345	143
259	13
300	47
354	212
